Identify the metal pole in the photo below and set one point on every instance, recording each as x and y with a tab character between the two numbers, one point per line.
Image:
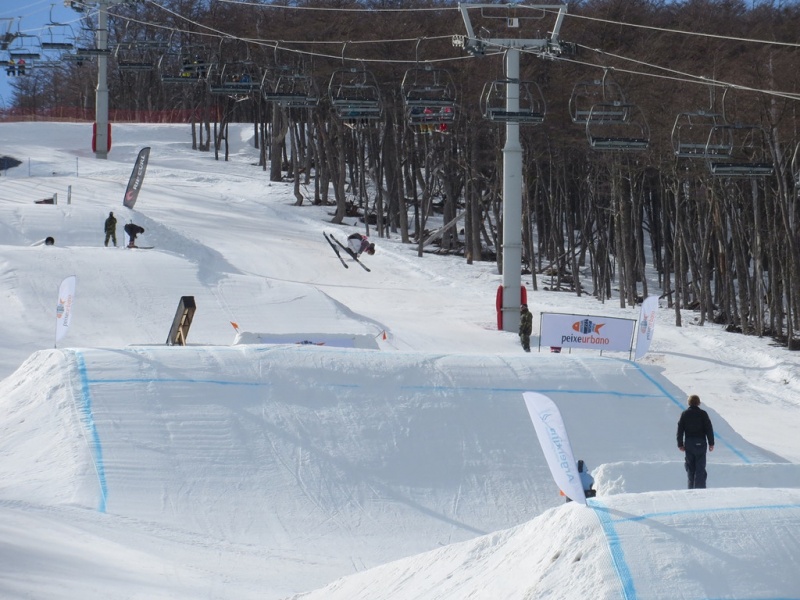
512	200
101	97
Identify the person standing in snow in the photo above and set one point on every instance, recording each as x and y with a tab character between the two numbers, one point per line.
358	244
111	229
694	431
525	327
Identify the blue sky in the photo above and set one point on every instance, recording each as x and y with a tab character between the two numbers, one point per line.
31	18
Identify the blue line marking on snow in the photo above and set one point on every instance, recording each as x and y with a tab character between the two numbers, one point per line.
96	447
615	546
204	381
680	405
707	510
178	380
657	385
506	390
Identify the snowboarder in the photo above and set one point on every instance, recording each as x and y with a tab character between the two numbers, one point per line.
525	327
111	229
587	481
11	68
133	230
694	430
21	66
358	244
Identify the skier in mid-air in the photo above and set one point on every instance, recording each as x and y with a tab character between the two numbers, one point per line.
359	244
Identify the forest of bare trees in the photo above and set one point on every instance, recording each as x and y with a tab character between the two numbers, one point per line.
705	194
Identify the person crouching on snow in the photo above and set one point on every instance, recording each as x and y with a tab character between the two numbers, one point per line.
358	244
132	229
587	482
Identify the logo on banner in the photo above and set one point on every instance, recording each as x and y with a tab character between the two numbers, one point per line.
62	310
558	444
646	325
587	326
552	436
588	330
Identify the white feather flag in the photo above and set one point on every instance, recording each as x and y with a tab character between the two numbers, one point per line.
66	298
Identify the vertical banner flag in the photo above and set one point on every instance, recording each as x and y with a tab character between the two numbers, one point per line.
647	325
555	444
66	298
137	176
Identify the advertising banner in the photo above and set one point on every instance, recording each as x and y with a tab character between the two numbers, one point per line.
555	444
580	331
66	298
647	326
137	176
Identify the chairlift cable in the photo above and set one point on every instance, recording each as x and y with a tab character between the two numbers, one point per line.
323	9
682	32
685	77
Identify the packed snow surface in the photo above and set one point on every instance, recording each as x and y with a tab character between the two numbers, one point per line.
337	434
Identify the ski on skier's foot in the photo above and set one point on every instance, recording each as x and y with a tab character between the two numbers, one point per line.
335	249
352	254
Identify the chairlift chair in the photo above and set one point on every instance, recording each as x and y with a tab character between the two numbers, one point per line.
532	106
25	47
186	64
236	78
24	55
696	135
44	64
134	56
617	126
74	57
89	52
749	156
195	62
6	35
600	98
293	90
428	86
431	114
354	95
58	37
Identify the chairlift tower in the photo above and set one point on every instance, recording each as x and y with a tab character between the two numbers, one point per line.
477	45
101	135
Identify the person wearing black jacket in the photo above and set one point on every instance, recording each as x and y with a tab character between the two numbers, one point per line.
132	229
694	430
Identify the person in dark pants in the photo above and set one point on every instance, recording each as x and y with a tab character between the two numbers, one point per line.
132	229
694	431
525	327
587	481
111	228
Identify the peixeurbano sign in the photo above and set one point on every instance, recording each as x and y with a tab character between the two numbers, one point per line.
581	331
